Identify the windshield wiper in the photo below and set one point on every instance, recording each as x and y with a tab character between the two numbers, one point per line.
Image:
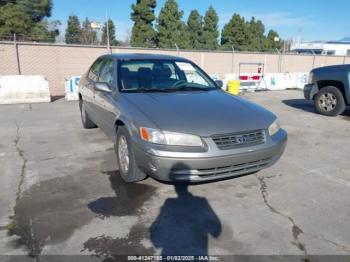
151	90
184	86
191	88
173	89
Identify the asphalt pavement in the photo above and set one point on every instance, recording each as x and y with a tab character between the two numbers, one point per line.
61	192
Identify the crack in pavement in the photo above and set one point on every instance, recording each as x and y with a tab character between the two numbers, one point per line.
263	184
20	152
24	164
341	246
273	176
296	230
334	243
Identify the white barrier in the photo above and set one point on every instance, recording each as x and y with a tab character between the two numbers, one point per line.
71	88
16	89
276	81
281	81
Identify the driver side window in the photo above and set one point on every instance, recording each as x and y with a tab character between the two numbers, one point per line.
94	70
107	72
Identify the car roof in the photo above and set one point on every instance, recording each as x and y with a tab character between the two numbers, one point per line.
132	56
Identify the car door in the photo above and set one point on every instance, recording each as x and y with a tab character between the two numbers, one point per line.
88	91
105	101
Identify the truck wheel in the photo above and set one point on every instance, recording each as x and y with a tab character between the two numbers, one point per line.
329	101
85	119
126	159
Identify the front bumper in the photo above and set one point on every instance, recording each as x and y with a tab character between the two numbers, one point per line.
193	169
310	90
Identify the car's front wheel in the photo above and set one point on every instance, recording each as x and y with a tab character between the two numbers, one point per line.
329	101
126	159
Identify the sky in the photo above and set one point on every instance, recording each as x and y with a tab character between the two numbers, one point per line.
311	19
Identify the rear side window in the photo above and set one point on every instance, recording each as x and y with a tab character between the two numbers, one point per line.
94	70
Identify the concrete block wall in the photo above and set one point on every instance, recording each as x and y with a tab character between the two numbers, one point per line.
59	63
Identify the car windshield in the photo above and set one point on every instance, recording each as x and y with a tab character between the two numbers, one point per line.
162	76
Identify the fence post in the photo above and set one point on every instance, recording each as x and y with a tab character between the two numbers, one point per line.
314	58
16	54
281	63
279	60
177	49
233	60
344	60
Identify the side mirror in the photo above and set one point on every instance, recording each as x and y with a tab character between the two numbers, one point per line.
102	87
219	83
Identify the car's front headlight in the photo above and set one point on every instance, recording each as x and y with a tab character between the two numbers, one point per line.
156	136
274	127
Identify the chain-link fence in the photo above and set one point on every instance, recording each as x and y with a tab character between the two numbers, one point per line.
58	62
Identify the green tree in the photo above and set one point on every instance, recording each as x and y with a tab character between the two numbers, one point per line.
73	30
210	30
143	34
87	35
111	33
41	32
14	19
38	9
184	37
170	28
235	34
26	18
195	29
256	38
273	41
248	36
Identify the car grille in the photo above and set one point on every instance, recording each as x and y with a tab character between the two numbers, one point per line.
234	170
230	141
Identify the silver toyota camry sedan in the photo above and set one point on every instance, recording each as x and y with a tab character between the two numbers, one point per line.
169	120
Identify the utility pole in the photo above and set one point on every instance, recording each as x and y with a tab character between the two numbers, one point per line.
107	27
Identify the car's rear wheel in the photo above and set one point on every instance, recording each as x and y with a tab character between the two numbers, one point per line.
329	101
85	119
126	159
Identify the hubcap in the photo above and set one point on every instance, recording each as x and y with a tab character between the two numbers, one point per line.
328	101
123	153
83	113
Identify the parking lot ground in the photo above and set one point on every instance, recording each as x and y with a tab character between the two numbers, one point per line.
61	193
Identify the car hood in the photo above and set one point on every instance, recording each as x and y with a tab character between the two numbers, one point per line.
203	113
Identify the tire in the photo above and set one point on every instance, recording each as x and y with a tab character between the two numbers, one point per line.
329	101
85	119
129	171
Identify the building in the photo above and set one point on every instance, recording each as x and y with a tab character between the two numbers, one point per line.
337	48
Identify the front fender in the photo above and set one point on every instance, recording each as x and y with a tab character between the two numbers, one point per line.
127	123
310	90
